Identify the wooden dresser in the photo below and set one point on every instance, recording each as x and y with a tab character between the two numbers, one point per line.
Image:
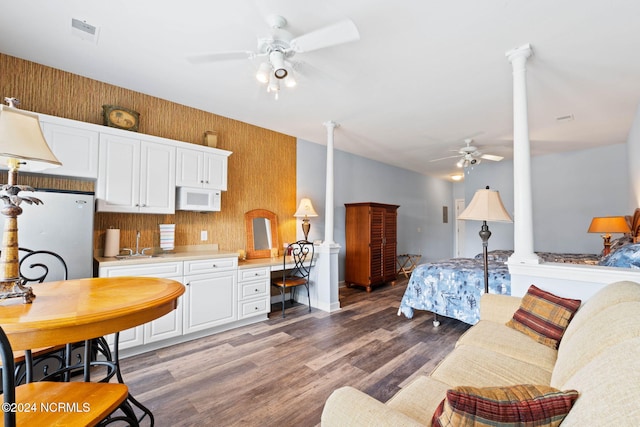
371	238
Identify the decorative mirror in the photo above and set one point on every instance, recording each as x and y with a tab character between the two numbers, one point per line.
262	233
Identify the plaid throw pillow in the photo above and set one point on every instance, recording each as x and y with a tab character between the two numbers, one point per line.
544	316
519	405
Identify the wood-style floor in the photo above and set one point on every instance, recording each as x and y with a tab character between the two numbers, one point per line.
280	372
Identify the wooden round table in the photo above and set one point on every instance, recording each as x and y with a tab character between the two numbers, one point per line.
77	310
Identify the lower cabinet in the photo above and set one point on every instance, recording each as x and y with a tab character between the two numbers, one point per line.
210	300
216	294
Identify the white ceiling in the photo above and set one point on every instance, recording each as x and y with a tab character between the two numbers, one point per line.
424	75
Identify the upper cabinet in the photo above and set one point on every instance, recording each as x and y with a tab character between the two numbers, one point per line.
76	148
136	176
202	168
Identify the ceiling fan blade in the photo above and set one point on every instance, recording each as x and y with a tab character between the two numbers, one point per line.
444	158
201	58
492	157
335	34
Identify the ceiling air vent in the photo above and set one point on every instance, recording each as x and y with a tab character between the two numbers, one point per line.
84	30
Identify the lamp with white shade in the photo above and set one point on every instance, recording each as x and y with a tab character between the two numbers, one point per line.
305	211
486	205
22	144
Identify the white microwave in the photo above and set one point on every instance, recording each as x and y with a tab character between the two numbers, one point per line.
197	199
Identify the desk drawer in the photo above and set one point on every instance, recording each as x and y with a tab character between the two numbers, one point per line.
253	307
210	265
253	289
252	274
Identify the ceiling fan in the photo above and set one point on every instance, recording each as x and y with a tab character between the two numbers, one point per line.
280	46
470	155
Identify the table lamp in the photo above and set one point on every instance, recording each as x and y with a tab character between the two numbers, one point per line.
21	143
305	210
486	205
608	225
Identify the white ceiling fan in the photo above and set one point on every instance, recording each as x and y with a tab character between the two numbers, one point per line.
280	46
470	155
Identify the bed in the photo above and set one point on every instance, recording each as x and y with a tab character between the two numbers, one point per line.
453	287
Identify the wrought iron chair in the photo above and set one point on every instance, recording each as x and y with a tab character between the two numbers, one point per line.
30	404
297	262
60	362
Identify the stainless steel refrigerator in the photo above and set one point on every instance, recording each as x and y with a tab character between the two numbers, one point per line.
64	225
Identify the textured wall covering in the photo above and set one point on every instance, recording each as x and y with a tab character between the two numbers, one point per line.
262	168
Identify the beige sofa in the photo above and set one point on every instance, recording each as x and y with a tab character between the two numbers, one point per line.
599	356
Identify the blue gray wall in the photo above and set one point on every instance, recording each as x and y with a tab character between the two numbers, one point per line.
357	179
568	190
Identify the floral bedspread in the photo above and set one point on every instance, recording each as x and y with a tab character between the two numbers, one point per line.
452	288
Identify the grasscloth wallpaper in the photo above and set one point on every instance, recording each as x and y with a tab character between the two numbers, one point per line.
262	168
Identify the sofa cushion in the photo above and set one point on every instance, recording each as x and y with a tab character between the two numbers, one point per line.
597	335
609	388
544	316
516	405
420	398
501	339
480	367
611	294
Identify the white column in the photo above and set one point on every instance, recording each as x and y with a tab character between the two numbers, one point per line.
324	280
522	196
328	203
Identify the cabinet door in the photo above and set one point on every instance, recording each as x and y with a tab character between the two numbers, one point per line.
190	168
77	150
377	245
167	326
157	178
390	271
118	186
215	172
210	300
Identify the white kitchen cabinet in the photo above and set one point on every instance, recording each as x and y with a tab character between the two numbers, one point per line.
202	169
76	148
136	176
254	295
211	293
167	326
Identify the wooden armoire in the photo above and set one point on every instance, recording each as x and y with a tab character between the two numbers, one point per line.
371	239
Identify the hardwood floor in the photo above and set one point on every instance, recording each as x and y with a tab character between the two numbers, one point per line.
280	372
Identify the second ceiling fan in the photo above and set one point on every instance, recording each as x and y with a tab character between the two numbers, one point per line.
470	155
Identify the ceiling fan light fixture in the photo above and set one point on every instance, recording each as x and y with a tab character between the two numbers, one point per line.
274	84
263	72
276	58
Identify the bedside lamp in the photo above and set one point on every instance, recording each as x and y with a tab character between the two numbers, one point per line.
486	205
305	210
21	143
608	225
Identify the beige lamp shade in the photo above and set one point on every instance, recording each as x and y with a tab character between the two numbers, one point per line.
609	224
305	209
21	138
486	205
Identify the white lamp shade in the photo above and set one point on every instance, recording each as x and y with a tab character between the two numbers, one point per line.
486	205
305	209
21	138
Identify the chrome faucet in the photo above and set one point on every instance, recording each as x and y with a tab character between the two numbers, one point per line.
138	251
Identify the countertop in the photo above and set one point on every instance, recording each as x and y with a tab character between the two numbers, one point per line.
188	253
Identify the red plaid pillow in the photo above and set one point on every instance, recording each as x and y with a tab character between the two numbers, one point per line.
544	316
518	405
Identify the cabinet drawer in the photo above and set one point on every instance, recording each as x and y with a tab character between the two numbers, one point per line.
253	307
253	289
210	265
162	270
252	274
